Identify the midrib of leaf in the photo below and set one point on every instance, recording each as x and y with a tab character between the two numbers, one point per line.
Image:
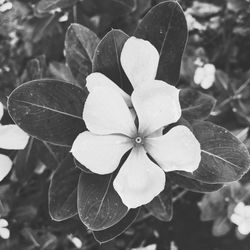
103	198
47	108
220	158
117	60
167	31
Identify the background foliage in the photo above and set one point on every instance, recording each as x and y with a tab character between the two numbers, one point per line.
32	35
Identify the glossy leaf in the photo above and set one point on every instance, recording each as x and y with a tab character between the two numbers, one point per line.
49	110
63	190
114	231
223	157
99	205
195	105
161	206
80	45
165	27
107	59
45	6
193	185
25	161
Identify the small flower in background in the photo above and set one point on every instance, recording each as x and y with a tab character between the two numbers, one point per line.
11	137
4	231
76	241
149	247
112	130
241	217
205	75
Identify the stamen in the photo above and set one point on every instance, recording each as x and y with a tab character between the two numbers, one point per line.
138	140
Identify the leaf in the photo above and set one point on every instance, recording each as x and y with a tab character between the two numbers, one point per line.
116	7
224	158
195	105
36	68
107	59
62	72
161	206
51	155
80	45
212	206
193	185
165	27
49	110
45	6
63	190
25	162
116	230
221	226
99	205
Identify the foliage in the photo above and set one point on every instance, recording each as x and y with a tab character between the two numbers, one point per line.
49	47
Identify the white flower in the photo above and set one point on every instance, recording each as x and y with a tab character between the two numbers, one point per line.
11	137
241	217
205	76
112	130
4	231
149	247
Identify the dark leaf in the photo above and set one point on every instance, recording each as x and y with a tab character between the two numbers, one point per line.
63	190
49	154
62	72
193	185
116	230
195	105
165	27
221	226
161	206
99	205
36	68
224	158
80	45
49	110
25	162
45	6
107	59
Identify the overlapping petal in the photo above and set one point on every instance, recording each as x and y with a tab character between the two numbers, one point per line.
97	79
139	179
156	105
12	137
176	150
1	110
100	153
5	166
139	59
105	112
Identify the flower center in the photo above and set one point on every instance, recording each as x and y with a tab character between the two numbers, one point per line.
138	140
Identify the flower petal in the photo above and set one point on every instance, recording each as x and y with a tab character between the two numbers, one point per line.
100	80
139	59
5	166
176	150
1	111
100	153
156	106
3	223
12	137
105	112
5	233
139	179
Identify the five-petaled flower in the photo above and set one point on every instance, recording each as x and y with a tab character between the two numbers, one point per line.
11	137
241	217
118	123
